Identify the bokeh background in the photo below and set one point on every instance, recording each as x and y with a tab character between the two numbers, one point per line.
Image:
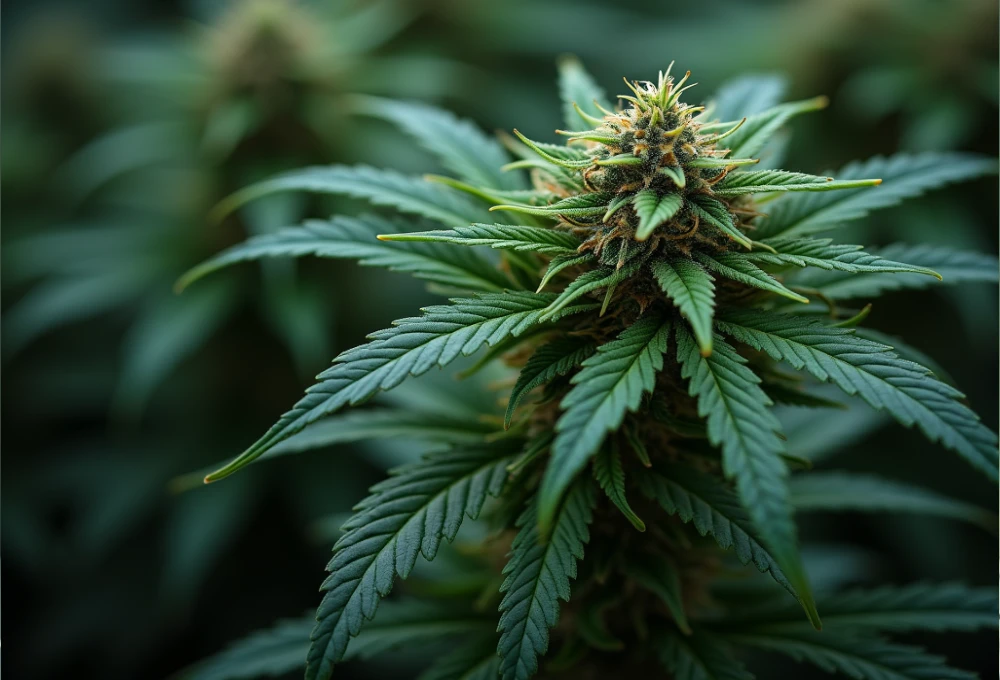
124	122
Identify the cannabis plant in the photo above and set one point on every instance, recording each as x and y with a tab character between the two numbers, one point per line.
648	293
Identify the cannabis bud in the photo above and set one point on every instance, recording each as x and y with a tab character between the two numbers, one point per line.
647	176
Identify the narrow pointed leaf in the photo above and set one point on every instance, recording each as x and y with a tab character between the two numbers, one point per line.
736	267
953	266
767	181
934	607
610	475
824	254
702	656
500	237
411	195
355	238
411	347
859	492
612	383
538	576
576	86
903	176
714	509
760	127
548	362
654	210
461	147
742	425
691	289
717	214
907	391
407	515
863	658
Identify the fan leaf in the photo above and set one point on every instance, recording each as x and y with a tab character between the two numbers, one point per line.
691	289
411	195
907	391
739	421
538	575
611	383
904	176
461	147
355	238
405	516
409	348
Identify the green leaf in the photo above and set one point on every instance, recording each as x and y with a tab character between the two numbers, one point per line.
692	291
461	147
538	576
611	383
561	262
935	607
765	181
747	95
717	214
366	425
405	516
411	347
576	86
500	237
273	652
863	658
355	238
714	509
701	656
412	623
907	391
740	422
654	210
610	475
906	351
593	204
588	282
548	362
468	662
903	175
760	127
859	492
411	195
954	266
736	267
659	575
824	254
384	423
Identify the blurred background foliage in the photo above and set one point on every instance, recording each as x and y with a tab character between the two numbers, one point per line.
124	123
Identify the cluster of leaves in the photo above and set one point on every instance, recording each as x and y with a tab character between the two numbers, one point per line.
648	304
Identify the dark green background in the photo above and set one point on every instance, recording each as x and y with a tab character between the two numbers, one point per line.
109	574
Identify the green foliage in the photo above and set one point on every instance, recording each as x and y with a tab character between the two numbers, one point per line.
953	266
355	238
611	383
843	491
409	195
698	657
407	515
730	399
460	146
691	289
538	576
643	227
857	657
902	177
908	391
